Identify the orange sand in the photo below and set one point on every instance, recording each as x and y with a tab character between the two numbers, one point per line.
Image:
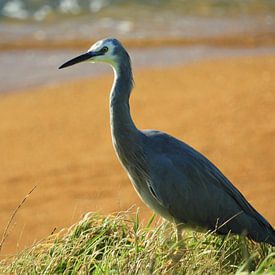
58	138
248	40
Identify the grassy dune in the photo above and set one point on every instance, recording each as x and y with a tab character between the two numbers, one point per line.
118	245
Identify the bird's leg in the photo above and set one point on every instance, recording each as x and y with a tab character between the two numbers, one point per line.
179	231
179	251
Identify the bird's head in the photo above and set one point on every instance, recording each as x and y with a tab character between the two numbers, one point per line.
107	50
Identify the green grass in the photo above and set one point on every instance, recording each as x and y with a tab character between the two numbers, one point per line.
120	245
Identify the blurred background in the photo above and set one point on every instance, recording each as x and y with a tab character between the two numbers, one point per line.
204	72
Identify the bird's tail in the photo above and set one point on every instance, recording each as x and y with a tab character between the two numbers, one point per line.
267	235
271	237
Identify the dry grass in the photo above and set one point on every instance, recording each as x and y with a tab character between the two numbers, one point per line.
118	245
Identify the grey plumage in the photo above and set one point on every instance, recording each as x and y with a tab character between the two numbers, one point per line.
173	179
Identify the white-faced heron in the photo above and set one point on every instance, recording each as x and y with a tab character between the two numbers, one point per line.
172	178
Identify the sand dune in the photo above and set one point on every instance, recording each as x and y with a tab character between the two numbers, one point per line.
58	138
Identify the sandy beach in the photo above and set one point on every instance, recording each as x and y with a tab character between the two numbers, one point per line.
57	138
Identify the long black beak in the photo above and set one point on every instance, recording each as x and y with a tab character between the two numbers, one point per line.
78	59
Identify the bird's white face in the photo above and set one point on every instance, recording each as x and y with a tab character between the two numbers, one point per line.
101	51
104	52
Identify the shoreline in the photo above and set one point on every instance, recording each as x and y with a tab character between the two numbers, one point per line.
35	68
247	40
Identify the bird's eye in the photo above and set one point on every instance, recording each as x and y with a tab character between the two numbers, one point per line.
104	49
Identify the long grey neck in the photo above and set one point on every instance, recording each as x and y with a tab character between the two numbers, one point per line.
122	124
127	139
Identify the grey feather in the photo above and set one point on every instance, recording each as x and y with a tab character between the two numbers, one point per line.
197	193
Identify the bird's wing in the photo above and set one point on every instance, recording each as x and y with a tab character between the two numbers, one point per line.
192	188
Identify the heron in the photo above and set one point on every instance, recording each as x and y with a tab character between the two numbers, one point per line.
172	178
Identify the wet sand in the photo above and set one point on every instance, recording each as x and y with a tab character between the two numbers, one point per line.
142	28
32	68
57	137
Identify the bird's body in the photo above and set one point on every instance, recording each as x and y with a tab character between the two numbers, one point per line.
172	178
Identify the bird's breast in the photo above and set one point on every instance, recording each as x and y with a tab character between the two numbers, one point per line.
135	162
